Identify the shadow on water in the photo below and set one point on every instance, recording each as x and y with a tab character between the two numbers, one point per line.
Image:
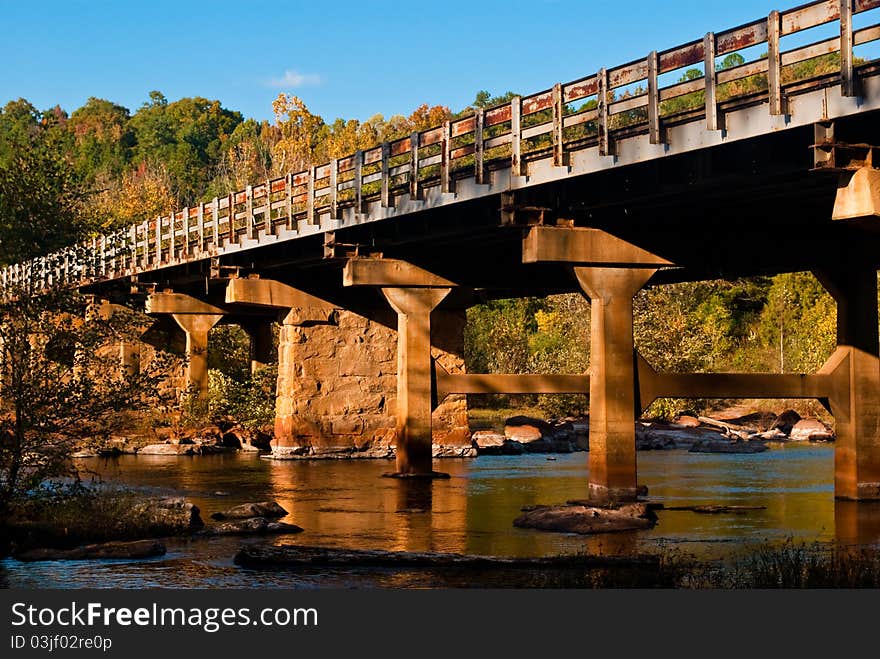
346	504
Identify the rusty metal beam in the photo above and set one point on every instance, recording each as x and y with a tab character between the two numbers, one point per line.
479	166
653	100
774	64
557	133
602	108
847	74
711	77
516	162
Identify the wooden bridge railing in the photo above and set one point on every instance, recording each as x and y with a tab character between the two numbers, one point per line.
585	113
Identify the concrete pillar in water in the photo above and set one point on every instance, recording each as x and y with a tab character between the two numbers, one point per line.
613	402
610	271
414	382
857	412
413	293
260	335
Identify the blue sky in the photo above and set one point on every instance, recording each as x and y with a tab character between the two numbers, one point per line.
349	59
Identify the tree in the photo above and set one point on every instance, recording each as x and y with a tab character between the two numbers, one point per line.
300	129
61	383
187	137
103	140
484	99
41	196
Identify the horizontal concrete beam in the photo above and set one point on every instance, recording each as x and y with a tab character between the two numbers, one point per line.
512	384
390	273
178	303
831	383
271	293
583	246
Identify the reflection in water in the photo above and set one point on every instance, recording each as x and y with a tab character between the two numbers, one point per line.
346	503
857	523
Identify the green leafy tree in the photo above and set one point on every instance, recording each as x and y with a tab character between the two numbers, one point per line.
103	140
187	137
41	196
60	384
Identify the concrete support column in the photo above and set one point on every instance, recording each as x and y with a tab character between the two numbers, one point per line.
414	307
129	358
197	327
612	378
260	335
857	416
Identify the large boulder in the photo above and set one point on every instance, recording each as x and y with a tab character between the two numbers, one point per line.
786	421
251	526
526	429
811	430
583	519
170	516
489	442
487	439
269	509
539	436
656	436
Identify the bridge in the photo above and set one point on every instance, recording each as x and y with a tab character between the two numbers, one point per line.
630	176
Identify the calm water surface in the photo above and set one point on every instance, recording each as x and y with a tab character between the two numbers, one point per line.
347	504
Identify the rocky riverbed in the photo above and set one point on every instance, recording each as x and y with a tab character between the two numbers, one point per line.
726	432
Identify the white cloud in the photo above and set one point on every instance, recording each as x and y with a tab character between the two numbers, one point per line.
293	79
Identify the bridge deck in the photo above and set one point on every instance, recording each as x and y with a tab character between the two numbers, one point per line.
560	139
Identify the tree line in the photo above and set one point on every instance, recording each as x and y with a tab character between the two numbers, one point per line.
64	176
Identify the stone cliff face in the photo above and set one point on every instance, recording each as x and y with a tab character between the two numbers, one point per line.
337	387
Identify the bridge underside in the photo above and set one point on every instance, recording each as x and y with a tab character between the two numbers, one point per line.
751	207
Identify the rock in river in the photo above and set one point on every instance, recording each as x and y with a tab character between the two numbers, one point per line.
251	526
170	515
588	519
811	430
269	509
137	549
727	446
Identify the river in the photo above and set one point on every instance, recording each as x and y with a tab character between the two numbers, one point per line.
346	503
